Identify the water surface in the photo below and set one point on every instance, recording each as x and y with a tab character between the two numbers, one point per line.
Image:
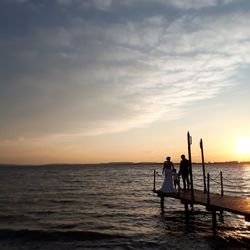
112	207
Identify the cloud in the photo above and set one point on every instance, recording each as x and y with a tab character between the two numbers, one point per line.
91	77
21	1
65	2
105	5
191	4
180	4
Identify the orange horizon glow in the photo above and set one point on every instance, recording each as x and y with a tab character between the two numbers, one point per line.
237	149
101	149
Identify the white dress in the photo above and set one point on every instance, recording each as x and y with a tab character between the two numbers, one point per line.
167	185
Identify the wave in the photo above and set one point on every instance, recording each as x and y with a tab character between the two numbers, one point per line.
54	235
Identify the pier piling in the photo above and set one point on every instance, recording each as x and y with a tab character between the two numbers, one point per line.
162	204
186	212
214	221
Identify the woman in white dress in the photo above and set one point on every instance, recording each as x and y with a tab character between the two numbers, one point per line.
167	171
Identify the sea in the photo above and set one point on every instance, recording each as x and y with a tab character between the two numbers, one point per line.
112	206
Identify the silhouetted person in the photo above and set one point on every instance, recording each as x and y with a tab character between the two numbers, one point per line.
167	171
184	171
167	165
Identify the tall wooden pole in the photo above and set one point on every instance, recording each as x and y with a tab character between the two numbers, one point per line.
208	190
203	166
189	139
154	182
221	184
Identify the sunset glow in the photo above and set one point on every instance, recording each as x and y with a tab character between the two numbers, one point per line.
243	146
102	81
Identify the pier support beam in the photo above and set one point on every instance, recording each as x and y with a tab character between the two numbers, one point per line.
186	213
247	218
214	221
162	204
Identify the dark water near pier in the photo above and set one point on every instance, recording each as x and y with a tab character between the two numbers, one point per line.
111	207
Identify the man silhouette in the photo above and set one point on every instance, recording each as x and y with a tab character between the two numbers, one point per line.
184	171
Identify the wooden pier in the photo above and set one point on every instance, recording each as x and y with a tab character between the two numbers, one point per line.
216	202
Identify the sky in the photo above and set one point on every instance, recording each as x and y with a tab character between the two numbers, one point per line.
90	81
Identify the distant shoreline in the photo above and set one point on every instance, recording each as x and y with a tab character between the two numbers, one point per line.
118	163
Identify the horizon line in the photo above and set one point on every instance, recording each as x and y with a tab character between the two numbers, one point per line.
119	163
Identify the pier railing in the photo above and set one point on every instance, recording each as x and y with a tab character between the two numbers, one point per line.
223	185
214	184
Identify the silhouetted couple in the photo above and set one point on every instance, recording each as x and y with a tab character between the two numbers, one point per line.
169	172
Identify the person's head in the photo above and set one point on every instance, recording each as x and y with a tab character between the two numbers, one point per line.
182	157
168	158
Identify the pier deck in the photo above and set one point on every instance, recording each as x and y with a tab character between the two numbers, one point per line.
216	202
233	204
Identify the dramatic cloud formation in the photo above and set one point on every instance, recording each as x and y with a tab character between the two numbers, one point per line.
94	67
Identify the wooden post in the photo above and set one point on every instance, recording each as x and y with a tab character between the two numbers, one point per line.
186	212
179	186
189	139
214	221
208	189
162	204
247	218
203	166
154	181
221	184
221	190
